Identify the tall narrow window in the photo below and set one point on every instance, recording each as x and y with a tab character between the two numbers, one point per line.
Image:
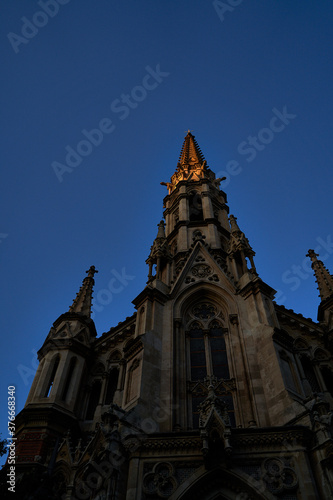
197	353
208	353
195	207
133	383
208	357
52	377
93	400
328	379
68	378
288	372
219	354
112	386
310	374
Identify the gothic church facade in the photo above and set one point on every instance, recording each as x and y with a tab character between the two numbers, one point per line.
209	391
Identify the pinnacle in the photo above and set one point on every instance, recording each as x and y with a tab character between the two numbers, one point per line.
83	300
233	224
160	232
323	278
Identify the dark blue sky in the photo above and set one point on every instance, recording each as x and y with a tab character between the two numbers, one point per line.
143	73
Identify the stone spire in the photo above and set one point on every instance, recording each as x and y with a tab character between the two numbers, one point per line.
191	166
83	300
323	278
190	152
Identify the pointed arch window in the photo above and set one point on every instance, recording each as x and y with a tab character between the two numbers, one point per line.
207	357
55	364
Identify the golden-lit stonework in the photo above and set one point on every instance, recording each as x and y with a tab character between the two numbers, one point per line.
192	166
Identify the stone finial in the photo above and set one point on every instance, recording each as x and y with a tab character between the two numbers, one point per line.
323	278
92	270
160	232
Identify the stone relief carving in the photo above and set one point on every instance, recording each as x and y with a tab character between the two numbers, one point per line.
204	311
160	481
277	476
198	236
201	270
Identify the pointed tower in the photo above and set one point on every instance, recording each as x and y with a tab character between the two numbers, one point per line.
325	286
53	404
205	281
194	201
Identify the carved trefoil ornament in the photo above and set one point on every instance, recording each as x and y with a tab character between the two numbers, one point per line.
160	481
277	476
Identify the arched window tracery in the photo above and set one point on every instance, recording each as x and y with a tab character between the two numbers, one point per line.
208	359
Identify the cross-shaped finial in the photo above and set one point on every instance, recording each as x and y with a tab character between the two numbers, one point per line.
312	254
91	271
189	131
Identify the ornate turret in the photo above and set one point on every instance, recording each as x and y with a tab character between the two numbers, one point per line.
53	404
65	351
